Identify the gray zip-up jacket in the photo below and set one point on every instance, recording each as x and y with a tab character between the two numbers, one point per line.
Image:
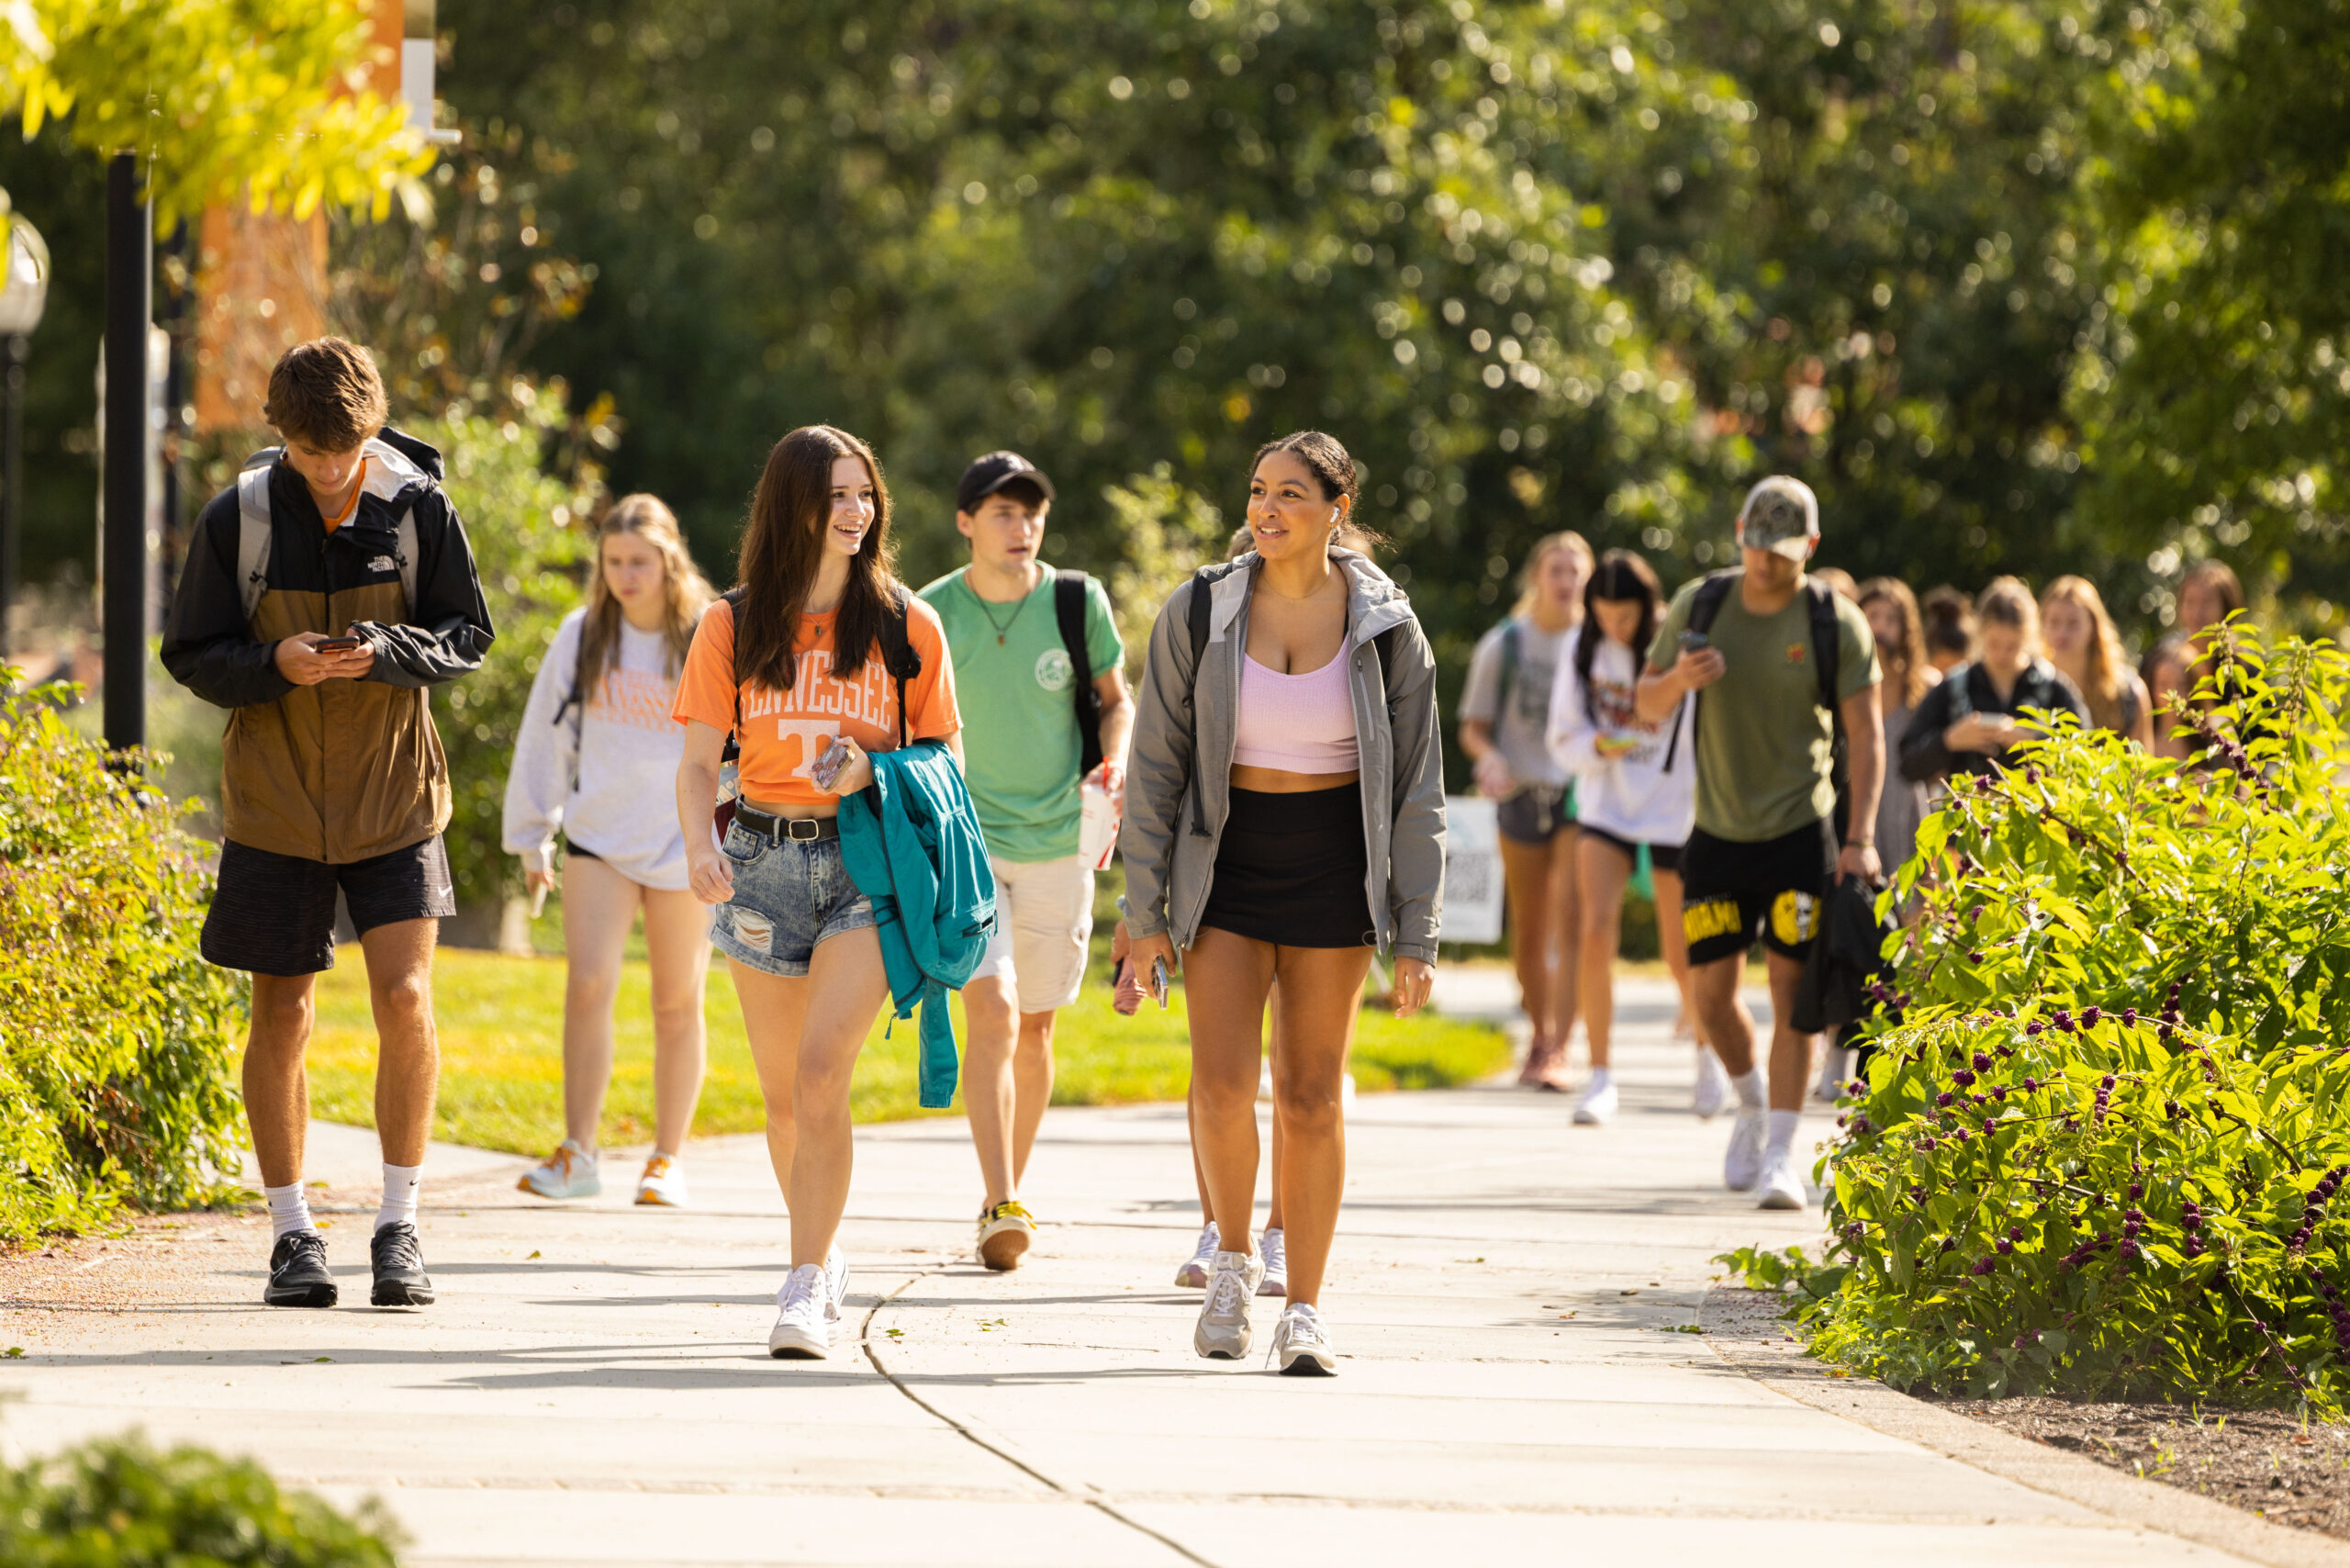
1169	849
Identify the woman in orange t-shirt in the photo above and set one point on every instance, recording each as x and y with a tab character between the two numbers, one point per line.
806	642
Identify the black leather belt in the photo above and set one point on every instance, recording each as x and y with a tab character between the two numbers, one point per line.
804	830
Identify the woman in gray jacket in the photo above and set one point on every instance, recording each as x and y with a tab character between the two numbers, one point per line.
1284	818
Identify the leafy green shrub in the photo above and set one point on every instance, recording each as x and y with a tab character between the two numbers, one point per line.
118	1504
114	1033
2101	1147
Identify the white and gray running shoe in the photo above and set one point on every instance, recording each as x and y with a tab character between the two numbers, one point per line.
1301	1343
1193	1274
836	1282
1743	1165
1781	1187
803	1329
1223	1333
1712	1093
1597	1106
1274	1250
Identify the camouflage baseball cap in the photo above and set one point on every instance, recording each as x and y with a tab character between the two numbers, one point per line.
1781	515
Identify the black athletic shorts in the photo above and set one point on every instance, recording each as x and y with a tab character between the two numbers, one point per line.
1536	814
1662	856
274	914
1731	893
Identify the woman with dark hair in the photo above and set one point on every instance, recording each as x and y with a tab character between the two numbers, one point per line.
1910	674
1636	787
793	666
1949	628
2167	673
596	742
1284	821
1973	720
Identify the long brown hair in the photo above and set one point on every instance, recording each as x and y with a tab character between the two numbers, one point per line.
1620	576
685	592
784	544
1906	662
2102	662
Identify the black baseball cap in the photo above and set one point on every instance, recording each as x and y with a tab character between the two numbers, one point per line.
996	471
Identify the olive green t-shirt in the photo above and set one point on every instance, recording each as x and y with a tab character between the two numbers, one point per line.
1765	748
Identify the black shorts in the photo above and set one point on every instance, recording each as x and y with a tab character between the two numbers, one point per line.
1662	856
274	914
1290	869
1731	893
1536	814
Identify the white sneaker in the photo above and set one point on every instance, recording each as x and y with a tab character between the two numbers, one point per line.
1274	1251
803	1329
1223	1333
663	1185
1300	1343
568	1173
835	1283
1830	1083
1743	1166
1193	1274
1597	1106
1782	1188
1712	1093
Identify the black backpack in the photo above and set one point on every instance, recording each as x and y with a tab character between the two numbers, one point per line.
1069	613
1196	621
1826	653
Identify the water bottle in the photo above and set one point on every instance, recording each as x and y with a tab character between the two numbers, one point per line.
1097	831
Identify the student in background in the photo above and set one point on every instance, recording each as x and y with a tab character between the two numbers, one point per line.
2081	643
1973	721
596	746
1950	627
2167	672
1910	674
1503	710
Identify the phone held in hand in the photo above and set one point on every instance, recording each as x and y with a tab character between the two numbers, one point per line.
827	765
337	644
1158	981
1695	642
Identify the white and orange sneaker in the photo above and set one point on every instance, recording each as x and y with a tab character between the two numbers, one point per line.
663	1185
568	1173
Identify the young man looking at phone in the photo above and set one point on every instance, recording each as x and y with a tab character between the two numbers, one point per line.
323	594
1010	622
1764	851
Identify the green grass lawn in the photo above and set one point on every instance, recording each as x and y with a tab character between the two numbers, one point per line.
501	1055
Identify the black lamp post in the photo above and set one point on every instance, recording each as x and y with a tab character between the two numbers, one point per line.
130	298
24	291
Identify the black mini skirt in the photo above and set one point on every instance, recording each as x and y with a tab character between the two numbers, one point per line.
1289	870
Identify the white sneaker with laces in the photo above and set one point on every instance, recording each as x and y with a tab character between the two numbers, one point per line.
1193	1274
1781	1187
568	1173
1274	1250
1223	1333
1597	1106
1712	1093
663	1185
835	1283
1301	1343
1743	1166
803	1329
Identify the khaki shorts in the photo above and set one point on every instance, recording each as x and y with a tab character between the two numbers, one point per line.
1044	916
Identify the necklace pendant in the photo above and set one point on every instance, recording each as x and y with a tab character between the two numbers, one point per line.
998	639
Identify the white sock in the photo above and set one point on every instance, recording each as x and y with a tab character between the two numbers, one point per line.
1751	1093
401	1184
1782	1131
1601	1077
289	1211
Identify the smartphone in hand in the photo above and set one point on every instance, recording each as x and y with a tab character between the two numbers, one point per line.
828	764
1158	981
337	644
1695	642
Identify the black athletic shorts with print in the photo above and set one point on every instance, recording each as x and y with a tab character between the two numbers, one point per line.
1731	893
274	914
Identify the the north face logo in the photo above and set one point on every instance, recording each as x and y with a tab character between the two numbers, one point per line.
382	564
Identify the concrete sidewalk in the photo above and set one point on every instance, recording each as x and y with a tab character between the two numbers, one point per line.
1511	1296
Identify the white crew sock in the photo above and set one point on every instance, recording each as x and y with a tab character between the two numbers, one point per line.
401	1184
1601	1077
1782	1132
1751	1091
289	1211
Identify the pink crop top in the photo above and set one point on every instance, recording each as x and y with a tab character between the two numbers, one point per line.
1299	724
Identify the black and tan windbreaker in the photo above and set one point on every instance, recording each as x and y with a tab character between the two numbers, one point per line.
346	769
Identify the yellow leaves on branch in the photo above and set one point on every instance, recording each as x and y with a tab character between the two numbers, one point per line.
217	97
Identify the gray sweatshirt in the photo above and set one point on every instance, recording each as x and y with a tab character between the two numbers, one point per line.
1170	849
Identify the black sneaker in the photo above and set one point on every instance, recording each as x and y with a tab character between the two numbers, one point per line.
297	1271
399	1268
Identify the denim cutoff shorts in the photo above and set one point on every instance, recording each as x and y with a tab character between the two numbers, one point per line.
790	894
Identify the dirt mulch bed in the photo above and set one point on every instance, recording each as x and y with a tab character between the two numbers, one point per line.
2266	1461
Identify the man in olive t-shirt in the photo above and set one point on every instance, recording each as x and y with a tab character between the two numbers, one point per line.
1764	851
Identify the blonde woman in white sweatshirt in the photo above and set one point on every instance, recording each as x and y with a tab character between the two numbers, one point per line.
1636	785
596	763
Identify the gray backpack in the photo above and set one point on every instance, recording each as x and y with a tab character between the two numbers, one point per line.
253	527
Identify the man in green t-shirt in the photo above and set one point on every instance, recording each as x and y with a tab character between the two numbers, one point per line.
1014	678
1765	852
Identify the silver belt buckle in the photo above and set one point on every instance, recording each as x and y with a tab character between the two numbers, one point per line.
791	826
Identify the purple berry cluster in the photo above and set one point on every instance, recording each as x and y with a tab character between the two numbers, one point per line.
2190	1220
2313	1211
2338	1313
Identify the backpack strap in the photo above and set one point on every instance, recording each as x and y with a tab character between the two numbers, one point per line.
1827	645
1511	641
898	654
1069	613
1705	608
733	752
1195	613
254	529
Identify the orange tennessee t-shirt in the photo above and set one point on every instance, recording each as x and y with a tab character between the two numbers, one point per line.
783	732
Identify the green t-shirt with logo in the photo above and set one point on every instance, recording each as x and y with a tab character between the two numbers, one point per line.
1020	742
1765	748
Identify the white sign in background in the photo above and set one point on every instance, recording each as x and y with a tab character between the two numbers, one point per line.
1473	871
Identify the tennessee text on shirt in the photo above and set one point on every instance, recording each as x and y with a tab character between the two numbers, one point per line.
635	698
813	710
